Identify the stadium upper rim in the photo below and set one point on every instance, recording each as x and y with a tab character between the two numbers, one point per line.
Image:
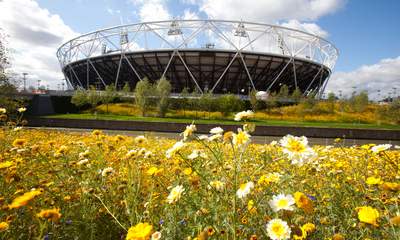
319	50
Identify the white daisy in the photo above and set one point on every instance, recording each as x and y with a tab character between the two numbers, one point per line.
217	130
244	189
282	202
381	148
175	194
177	146
278	229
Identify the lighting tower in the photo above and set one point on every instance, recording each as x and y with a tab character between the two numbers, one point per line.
174	29
241	31
38	84
24	74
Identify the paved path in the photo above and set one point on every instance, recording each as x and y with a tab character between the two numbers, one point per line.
255	139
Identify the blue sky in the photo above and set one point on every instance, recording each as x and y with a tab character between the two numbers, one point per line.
366	32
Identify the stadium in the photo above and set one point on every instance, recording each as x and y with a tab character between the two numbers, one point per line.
215	56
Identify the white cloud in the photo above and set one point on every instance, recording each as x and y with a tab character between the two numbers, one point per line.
113	11
269	10
306	27
190	2
34	36
152	10
383	76
289	13
189	15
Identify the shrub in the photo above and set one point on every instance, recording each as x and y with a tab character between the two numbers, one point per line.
79	98
229	103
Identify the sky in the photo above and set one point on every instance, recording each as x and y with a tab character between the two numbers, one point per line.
366	32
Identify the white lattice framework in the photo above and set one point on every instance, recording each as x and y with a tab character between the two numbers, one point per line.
178	35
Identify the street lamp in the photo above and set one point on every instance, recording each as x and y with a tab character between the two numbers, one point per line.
24	74
38	84
379	94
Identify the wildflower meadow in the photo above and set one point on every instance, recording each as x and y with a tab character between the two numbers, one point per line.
66	185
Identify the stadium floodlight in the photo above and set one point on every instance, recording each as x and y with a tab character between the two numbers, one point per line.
241	31
174	29
280	45
209	45
104	48
124	37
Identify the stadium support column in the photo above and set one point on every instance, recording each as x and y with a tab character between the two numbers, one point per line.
94	68
223	73
324	86
312	81
280	73
87	74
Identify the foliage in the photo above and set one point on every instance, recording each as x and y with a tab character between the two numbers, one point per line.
310	101
143	91
79	98
359	102
331	102
109	95
207	102
391	111
283	92
293	113
229	103
253	99
163	91
93	97
99	186
184	101
3	56
296	95
6	86
126	89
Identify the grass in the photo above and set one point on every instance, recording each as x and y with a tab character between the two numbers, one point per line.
226	122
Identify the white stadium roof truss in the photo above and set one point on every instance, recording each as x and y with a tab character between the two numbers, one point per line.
177	35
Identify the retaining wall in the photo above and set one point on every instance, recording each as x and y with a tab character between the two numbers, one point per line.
316	132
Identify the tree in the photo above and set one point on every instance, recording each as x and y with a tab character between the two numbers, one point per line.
391	112
93	97
6	87
331	102
126	89
229	103
143	90
253	99
309	102
359	102
163	90
283	93
79	98
184	99
109	95
296	95
3	57
271	102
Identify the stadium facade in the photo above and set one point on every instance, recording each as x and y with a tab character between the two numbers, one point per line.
215	56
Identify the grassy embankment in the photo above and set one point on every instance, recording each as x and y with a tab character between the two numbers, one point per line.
283	116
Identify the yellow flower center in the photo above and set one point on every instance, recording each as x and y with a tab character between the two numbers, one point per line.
296	146
278	229
282	203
